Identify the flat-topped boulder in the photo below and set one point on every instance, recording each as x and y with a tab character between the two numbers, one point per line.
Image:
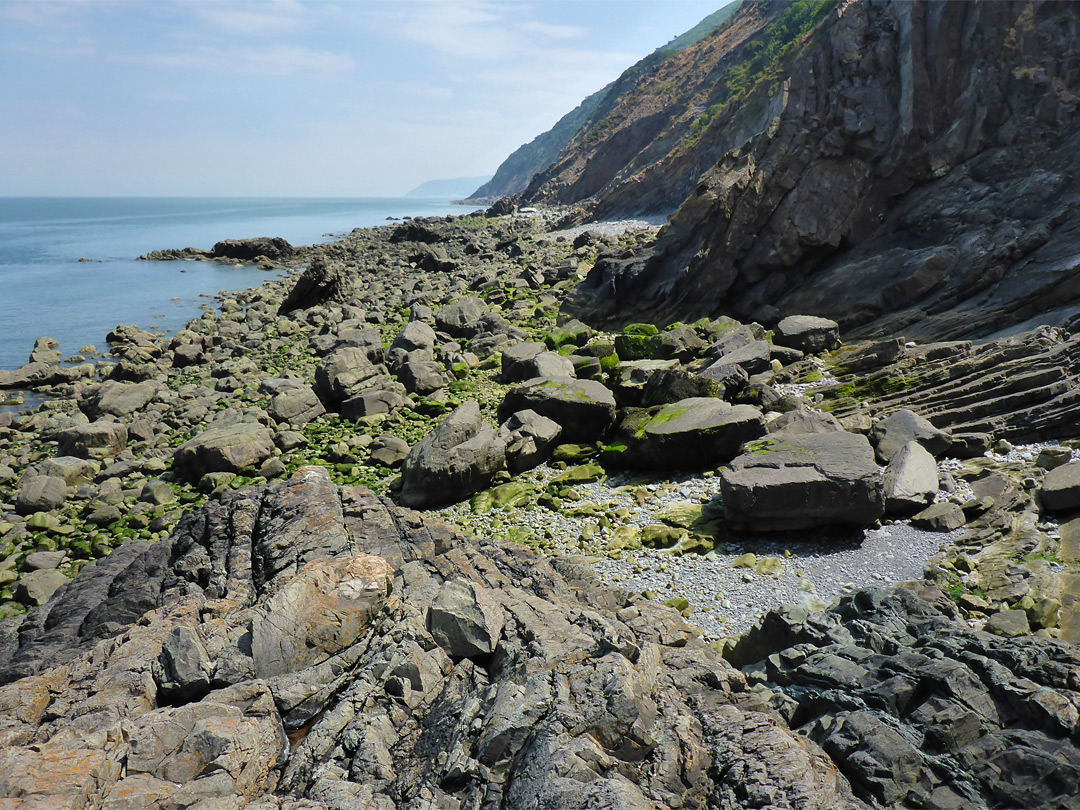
691	434
224	448
787	482
808	333
296	406
96	440
1061	488
452	462
584	409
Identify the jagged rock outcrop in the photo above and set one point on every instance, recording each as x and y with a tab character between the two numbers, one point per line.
322	283
298	646
303	646
903	168
918	710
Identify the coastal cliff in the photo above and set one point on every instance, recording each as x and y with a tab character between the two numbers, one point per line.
898	167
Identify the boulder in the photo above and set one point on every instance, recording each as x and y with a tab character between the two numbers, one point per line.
516	361
422	375
890	434
691	434
804	421
296	406
272	247
461	319
465	620
40	493
808	333
584	409
416	335
939	517
370	403
674	384
97	440
72	469
911	480
37	587
789	482
452	462
1061	488
346	373
530	439
226	448
120	398
753	358
390	451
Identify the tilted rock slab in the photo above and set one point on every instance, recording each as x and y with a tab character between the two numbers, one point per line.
786	482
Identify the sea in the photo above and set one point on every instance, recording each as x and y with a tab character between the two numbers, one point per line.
46	290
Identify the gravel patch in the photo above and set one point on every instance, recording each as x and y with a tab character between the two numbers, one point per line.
808	568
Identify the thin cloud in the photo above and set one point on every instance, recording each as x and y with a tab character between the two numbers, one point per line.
278	17
282	60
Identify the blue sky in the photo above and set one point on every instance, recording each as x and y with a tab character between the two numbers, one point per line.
291	98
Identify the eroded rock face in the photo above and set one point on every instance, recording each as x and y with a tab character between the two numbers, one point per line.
802	197
303	646
581	696
917	709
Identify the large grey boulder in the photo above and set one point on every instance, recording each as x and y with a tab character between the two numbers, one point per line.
296	406
808	333
97	440
224	448
1061	488
461	319
911	480
346	373
416	335
465	620
584	409
40	493
120	398
753	358
788	482
422	374
452	462
903	426
690	434
805	421
516	361
72	469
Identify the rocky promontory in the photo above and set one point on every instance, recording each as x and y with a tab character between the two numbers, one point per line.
217	592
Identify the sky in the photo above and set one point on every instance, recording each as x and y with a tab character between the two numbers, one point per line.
312	98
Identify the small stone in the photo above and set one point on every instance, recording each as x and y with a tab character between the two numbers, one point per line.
748	560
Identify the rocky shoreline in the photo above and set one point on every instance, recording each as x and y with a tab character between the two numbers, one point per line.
623	489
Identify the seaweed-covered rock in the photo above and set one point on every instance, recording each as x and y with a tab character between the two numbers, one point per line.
584	409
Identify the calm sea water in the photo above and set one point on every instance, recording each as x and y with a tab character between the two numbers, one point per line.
46	290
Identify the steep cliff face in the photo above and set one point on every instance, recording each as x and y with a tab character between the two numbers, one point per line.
515	173
912	171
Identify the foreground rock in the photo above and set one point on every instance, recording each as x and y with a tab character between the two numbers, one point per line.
918	710
801	481
598	697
